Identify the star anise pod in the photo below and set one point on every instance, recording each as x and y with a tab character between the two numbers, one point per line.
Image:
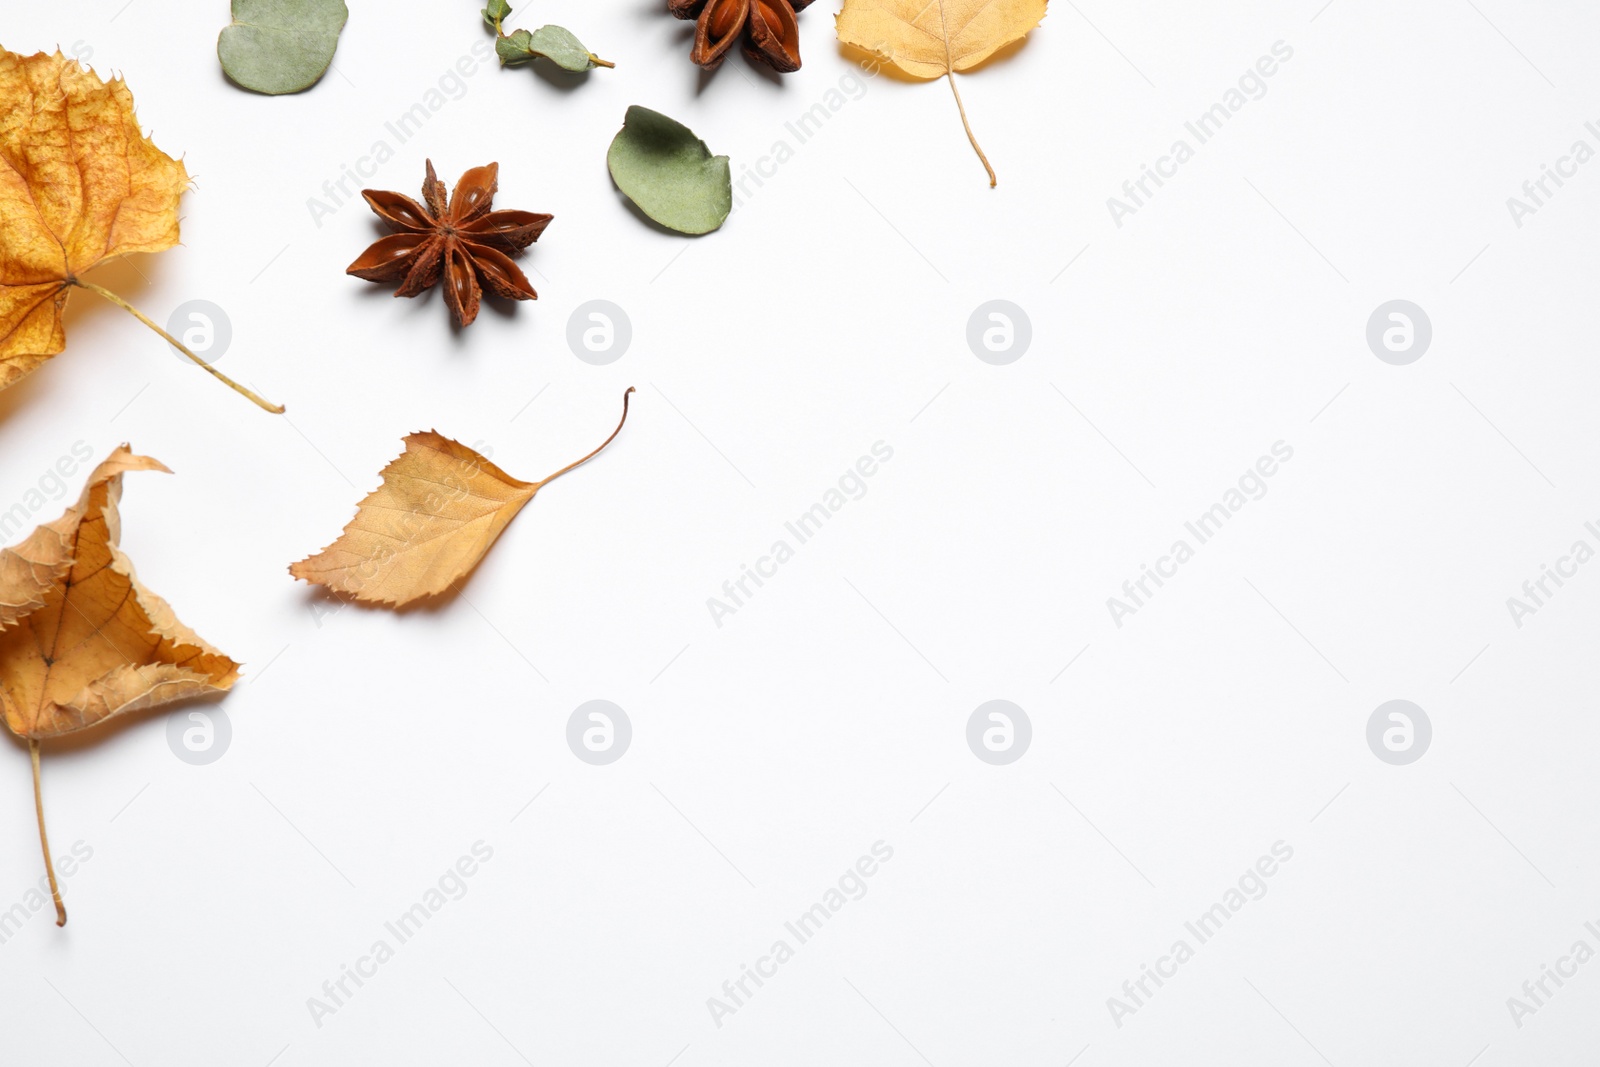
461	239
771	31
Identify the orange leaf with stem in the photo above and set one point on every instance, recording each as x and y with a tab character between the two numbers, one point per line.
81	639
79	184
440	509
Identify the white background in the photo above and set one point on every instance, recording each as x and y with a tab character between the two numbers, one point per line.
370	750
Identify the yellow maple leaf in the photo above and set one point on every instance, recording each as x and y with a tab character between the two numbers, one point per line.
81	639
439	510
79	184
938	38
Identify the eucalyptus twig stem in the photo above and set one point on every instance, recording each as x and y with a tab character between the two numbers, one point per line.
99	290
597	451
44	841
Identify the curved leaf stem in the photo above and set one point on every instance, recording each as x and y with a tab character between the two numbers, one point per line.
99	290
963	109
597	451
44	841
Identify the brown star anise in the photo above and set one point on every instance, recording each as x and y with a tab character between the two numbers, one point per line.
771	31
462	240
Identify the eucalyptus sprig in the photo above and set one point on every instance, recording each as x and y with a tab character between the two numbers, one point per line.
554	43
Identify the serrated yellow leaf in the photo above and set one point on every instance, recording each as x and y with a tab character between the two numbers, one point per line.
80	184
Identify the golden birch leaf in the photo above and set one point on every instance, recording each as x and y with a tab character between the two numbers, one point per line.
79	184
440	509
938	38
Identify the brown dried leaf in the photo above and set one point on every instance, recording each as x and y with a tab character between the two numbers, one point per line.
440	509
81	640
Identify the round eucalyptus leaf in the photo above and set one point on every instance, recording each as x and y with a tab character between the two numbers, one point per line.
280	46
514	47
560	47
666	170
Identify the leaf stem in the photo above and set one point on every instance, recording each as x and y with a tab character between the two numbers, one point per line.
963	108
99	290
597	451
44	842
597	61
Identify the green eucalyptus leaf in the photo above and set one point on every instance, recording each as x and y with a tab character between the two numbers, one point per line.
514	47
280	46
497	10
560	47
666	170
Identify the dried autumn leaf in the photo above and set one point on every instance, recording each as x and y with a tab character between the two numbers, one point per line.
81	640
440	509
938	38
79	185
